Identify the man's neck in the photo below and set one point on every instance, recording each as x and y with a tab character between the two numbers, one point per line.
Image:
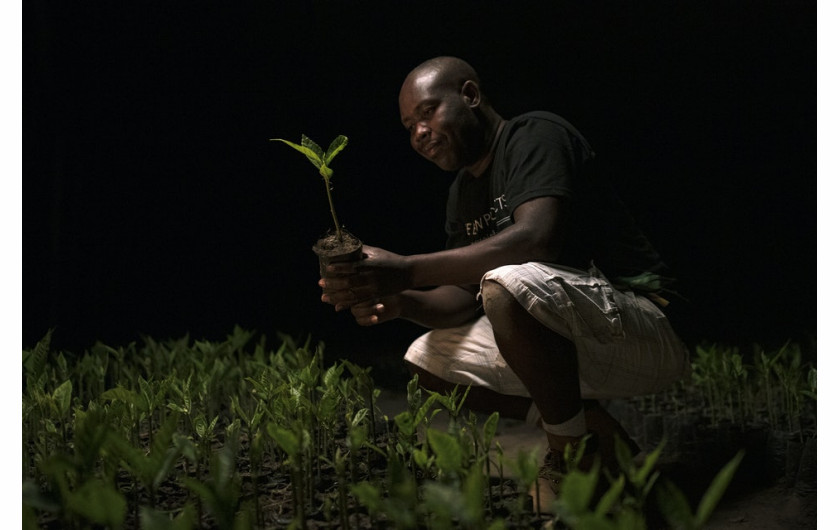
479	167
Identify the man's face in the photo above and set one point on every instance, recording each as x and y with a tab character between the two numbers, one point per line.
440	122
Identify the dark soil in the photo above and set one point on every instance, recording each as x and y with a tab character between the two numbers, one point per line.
333	248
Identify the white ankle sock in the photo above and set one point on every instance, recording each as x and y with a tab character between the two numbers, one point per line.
575	426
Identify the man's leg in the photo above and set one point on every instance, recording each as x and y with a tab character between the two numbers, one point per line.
544	361
482	399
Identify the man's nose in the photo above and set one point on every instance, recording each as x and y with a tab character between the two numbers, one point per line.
421	130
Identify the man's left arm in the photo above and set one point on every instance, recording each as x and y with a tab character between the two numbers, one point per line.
536	235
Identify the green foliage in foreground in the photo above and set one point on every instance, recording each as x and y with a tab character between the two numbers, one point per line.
231	435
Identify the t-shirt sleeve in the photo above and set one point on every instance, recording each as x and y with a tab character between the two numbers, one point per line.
541	159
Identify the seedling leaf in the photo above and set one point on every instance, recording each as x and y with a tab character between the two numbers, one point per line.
577	489
716	490
121	394
310	154
447	451
285	438
421	458
404	423
335	147
62	396
368	495
321	161
611	497
307	142
673	505
36	360
99	503
490	427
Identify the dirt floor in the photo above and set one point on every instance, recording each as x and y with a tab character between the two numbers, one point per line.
747	505
770	508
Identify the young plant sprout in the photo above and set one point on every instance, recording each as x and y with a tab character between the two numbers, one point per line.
321	160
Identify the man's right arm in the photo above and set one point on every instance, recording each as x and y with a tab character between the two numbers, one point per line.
442	307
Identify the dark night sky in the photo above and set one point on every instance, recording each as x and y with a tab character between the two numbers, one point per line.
154	204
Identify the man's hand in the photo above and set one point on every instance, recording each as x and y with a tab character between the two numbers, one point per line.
377	275
377	311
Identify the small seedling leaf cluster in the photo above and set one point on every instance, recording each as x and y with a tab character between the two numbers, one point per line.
321	160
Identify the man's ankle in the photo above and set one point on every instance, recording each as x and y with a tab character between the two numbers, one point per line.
559	443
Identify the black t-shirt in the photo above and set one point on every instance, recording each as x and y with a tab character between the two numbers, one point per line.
540	154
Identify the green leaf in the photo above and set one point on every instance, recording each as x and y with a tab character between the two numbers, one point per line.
147	393
360	416
490	427
447	450
404	422
307	142
335	147
99	503
357	436
611	497
368	495
421	458
333	375
716	490
36	361
423	411
62	396
200	426
526	464
311	155
185	446
577	489
473	490
673	505
121	394
163	455
285	438
232	430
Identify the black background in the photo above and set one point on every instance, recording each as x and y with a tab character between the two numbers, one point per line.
154	203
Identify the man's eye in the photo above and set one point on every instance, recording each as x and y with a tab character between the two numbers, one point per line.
428	111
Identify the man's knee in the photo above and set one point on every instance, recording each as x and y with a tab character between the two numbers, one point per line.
497	300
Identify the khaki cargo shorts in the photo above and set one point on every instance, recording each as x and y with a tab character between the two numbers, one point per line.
625	344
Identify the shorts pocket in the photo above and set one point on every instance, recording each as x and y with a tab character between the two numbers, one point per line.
590	306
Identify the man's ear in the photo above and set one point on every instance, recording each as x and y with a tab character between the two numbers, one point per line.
471	93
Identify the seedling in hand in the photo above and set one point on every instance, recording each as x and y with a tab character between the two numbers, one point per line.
321	160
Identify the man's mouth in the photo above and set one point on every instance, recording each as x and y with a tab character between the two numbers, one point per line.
431	148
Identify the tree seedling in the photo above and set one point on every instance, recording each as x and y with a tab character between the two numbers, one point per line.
340	245
321	159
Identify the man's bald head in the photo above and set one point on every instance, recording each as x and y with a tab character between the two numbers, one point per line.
446	72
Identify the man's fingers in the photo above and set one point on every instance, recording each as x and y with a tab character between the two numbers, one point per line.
367	314
341	268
